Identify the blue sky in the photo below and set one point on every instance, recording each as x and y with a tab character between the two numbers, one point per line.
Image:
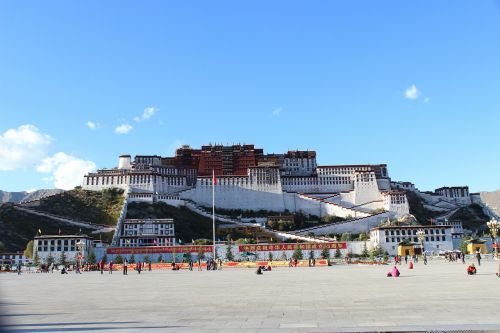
326	75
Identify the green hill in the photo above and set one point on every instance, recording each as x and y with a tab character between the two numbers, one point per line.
188	224
100	207
17	228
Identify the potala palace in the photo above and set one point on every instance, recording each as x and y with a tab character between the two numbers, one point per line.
248	179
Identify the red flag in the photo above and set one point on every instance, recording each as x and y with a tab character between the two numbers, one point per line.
214	180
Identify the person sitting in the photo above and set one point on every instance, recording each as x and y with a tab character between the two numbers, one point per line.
269	268
498	272
259	270
63	270
394	272
471	270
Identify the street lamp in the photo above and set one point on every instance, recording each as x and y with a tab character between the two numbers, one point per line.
421	238
80	245
493	224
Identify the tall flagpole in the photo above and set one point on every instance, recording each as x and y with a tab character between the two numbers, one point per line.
213	209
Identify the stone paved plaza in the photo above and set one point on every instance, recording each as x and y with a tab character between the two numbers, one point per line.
439	296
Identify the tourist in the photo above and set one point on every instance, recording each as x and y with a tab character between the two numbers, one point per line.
101	266
110	267
199	264
471	270
411	265
478	257
125	267
149	266
77	270
259	271
406	259
462	256
290	263
425	258
18	268
138	267
190	263
498	272
314	262
394	272
63	270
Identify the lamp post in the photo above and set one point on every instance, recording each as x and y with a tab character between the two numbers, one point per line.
493	224
80	246
421	238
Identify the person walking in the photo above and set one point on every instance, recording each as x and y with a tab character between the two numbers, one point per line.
149	266
101	266
425	258
125	268
18	268
478	257
110	267
199	264
138	267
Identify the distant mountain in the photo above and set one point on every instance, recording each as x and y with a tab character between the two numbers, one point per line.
492	200
17	197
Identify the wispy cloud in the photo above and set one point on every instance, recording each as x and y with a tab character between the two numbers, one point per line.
426	100
277	111
148	113
412	92
92	125
123	129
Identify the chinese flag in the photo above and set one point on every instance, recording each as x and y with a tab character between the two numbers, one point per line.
215	180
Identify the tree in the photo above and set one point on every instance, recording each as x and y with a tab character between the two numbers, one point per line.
297	254
283	256
229	253
270	256
363	237
463	244
91	258
131	259
364	253
50	259
200	255
311	254
373	254
325	253
36	258
62	259
386	256
28	252
119	260
337	254
187	256
346	236
160	258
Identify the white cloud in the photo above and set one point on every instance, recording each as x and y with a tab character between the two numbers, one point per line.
92	125
31	190
277	111
22	147
148	113
412	92
123	129
67	171
426	100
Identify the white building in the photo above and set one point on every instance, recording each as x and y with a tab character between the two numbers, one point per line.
13	258
457	194
281	182
437	238
54	245
147	232
396	201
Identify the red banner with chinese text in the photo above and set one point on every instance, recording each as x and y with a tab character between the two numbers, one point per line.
159	249
291	246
